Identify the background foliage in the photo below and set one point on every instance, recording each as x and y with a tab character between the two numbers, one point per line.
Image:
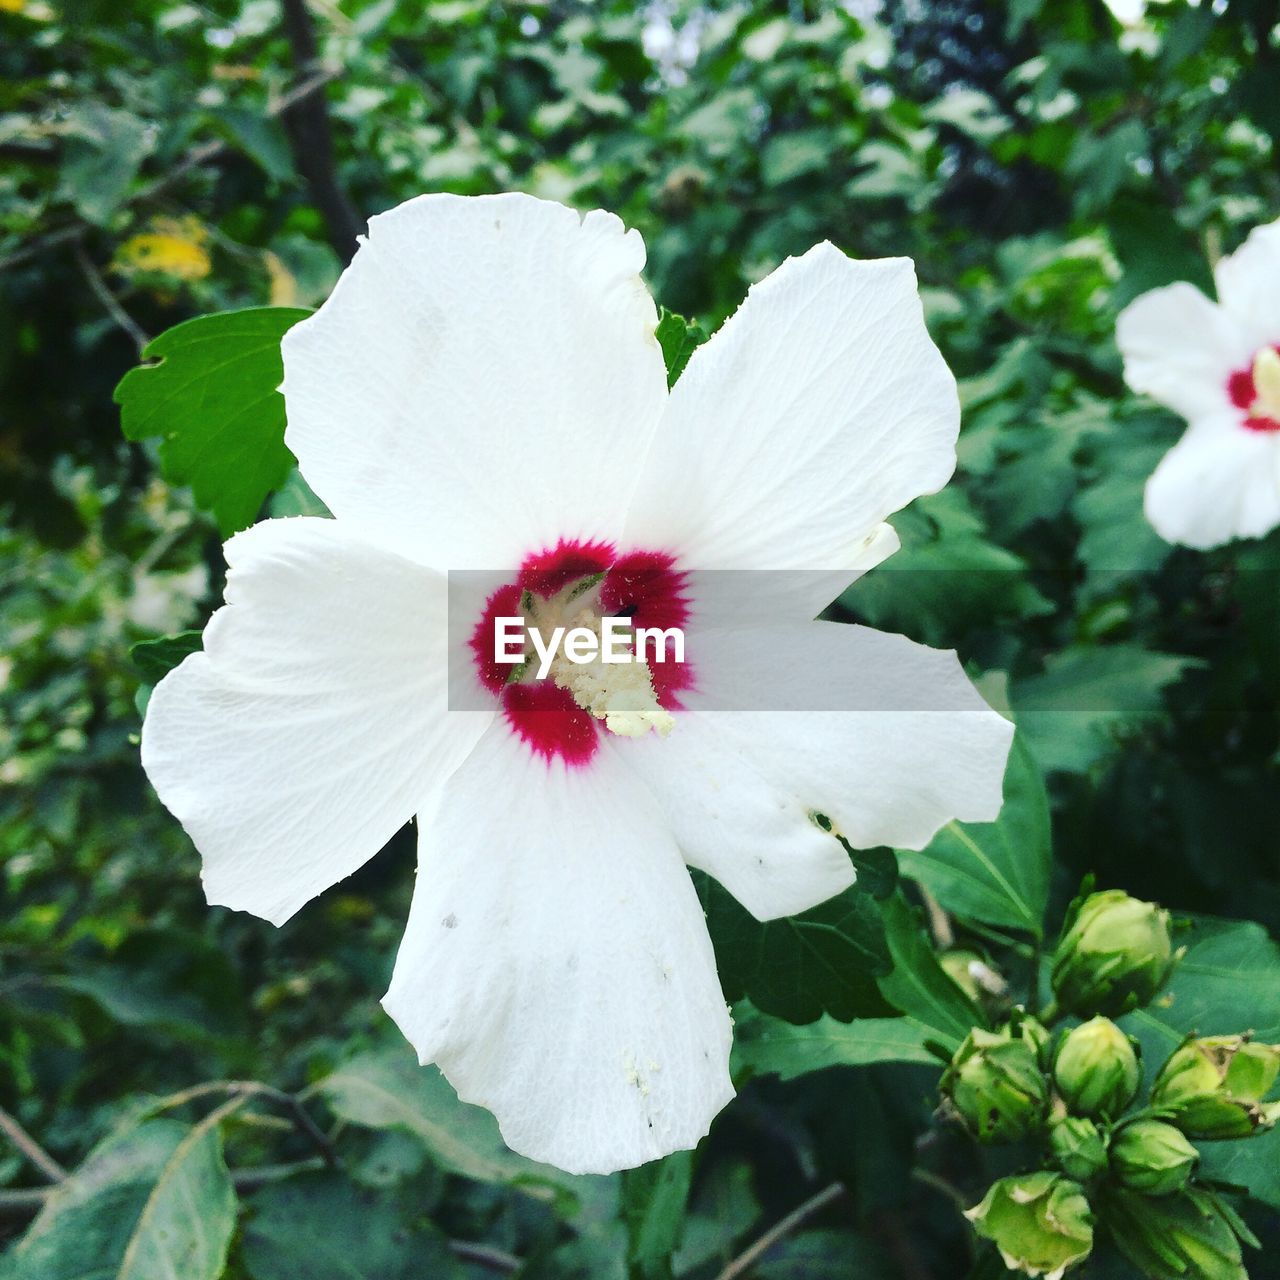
1042	164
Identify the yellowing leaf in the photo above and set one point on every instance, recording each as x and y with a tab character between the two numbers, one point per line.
284	285
172	247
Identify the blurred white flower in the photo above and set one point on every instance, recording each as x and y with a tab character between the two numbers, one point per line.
1218	365
484	389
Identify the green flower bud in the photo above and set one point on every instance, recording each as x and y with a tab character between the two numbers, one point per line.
1214	1087
1152	1157
1191	1233
1077	1147
1033	1033
996	1084
1096	1069
1116	955
1040	1222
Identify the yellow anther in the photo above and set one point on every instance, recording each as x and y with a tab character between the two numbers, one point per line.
619	693
1266	385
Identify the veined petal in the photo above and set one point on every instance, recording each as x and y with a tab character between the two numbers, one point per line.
557	966
1217	483
314	723
906	746
1248	283
480	361
1181	349
818	409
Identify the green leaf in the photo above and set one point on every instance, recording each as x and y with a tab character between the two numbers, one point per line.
1228	982
722	1211
1252	1164
877	869
1117	540
679	339
654	1203
189	1216
1088	697
322	1227
150	1204
792	155
156	658
1257	589
212	398
947	578
918	985
771	1047
798	968
994	872
105	149
261	138
1153	249
826	1255
387	1089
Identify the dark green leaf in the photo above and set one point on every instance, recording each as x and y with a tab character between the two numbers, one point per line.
994	872
150	1204
826	1255
387	1089
877	870
104	151
769	1046
322	1227
823	961
1228	982
918	986
654	1203
156	658
1073	714
212	399
947	577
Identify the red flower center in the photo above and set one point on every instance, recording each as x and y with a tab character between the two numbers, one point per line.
642	586
1260	412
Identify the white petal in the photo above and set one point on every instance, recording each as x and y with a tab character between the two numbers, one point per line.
1219	482
314	724
1182	349
483	381
906	746
1249	284
557	966
821	407
735	599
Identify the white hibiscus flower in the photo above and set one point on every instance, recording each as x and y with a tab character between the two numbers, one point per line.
484	389
1218	365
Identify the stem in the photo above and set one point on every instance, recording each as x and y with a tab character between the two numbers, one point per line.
26	1202
110	303
252	1177
486	1256
939	922
1033	985
31	1148
253	1088
796	1218
939	1184
310	133
1025	949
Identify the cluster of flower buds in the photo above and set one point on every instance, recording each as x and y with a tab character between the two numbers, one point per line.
1111	1160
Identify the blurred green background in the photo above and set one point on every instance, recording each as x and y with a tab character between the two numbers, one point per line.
1040	160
